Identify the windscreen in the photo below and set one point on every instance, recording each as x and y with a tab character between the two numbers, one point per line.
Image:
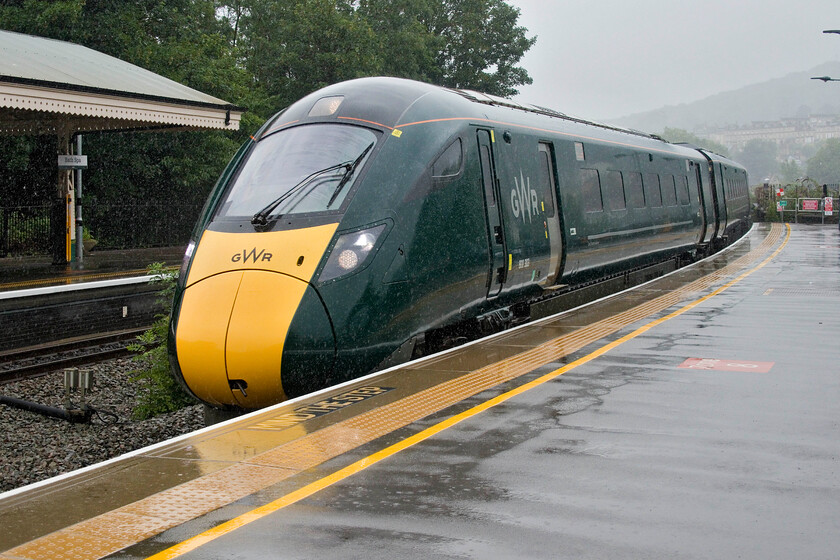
299	170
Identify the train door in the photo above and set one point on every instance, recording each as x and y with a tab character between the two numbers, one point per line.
552	211
498	270
707	204
720	200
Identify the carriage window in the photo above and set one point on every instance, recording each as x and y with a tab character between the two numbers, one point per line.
653	194
579	155
448	164
633	187
669	191
591	190
614	191
682	191
546	180
487	174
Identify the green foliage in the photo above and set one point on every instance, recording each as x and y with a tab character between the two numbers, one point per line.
160	392
472	44
24	179
258	54
824	167
297	46
481	46
760	159
790	171
57	19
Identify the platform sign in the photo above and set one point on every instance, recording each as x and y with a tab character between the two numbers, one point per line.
782	204
726	365
72	162
828	206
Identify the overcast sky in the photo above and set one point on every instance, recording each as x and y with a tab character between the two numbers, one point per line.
601	59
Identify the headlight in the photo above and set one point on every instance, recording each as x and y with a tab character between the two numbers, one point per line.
350	252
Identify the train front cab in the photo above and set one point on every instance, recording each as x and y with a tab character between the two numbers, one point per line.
252	272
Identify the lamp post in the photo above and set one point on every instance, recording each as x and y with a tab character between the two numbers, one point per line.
828	78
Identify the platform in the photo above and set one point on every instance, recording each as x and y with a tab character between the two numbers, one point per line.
695	416
22	273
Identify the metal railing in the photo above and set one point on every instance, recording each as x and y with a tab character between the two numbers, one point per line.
131	226
810	208
25	230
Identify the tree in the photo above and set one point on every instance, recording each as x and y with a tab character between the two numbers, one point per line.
407	46
482	46
297	46
790	171
824	167
759	157
472	44
262	55
180	39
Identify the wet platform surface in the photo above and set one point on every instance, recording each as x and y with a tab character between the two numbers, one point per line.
21	273
696	416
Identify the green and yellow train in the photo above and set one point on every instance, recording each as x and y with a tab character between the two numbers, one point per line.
377	215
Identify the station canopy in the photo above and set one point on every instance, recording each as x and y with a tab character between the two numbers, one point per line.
54	87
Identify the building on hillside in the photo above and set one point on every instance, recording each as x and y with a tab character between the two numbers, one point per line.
796	138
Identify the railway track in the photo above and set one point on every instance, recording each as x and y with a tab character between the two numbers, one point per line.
55	356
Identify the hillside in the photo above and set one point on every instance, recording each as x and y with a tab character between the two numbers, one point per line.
791	96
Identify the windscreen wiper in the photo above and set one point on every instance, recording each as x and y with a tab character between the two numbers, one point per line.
261	217
349	173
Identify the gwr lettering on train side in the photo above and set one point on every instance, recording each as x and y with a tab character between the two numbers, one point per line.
252	255
523	199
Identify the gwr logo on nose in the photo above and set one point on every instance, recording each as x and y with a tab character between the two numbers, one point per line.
252	255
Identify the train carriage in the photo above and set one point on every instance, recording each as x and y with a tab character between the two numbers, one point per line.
375	218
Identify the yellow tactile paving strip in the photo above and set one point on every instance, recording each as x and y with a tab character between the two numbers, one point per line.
133	523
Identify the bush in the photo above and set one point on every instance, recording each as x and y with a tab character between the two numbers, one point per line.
160	392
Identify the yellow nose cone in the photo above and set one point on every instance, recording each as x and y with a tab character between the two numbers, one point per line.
265	306
231	331
201	335
241	295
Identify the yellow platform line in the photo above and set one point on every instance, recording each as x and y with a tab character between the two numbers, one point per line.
344	473
135	522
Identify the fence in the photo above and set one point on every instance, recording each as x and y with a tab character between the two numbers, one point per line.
809	209
131	226
26	230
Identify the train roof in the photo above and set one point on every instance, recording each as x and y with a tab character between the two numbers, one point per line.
385	101
486	99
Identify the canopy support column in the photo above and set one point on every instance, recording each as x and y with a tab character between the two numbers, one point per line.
80	249
62	215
